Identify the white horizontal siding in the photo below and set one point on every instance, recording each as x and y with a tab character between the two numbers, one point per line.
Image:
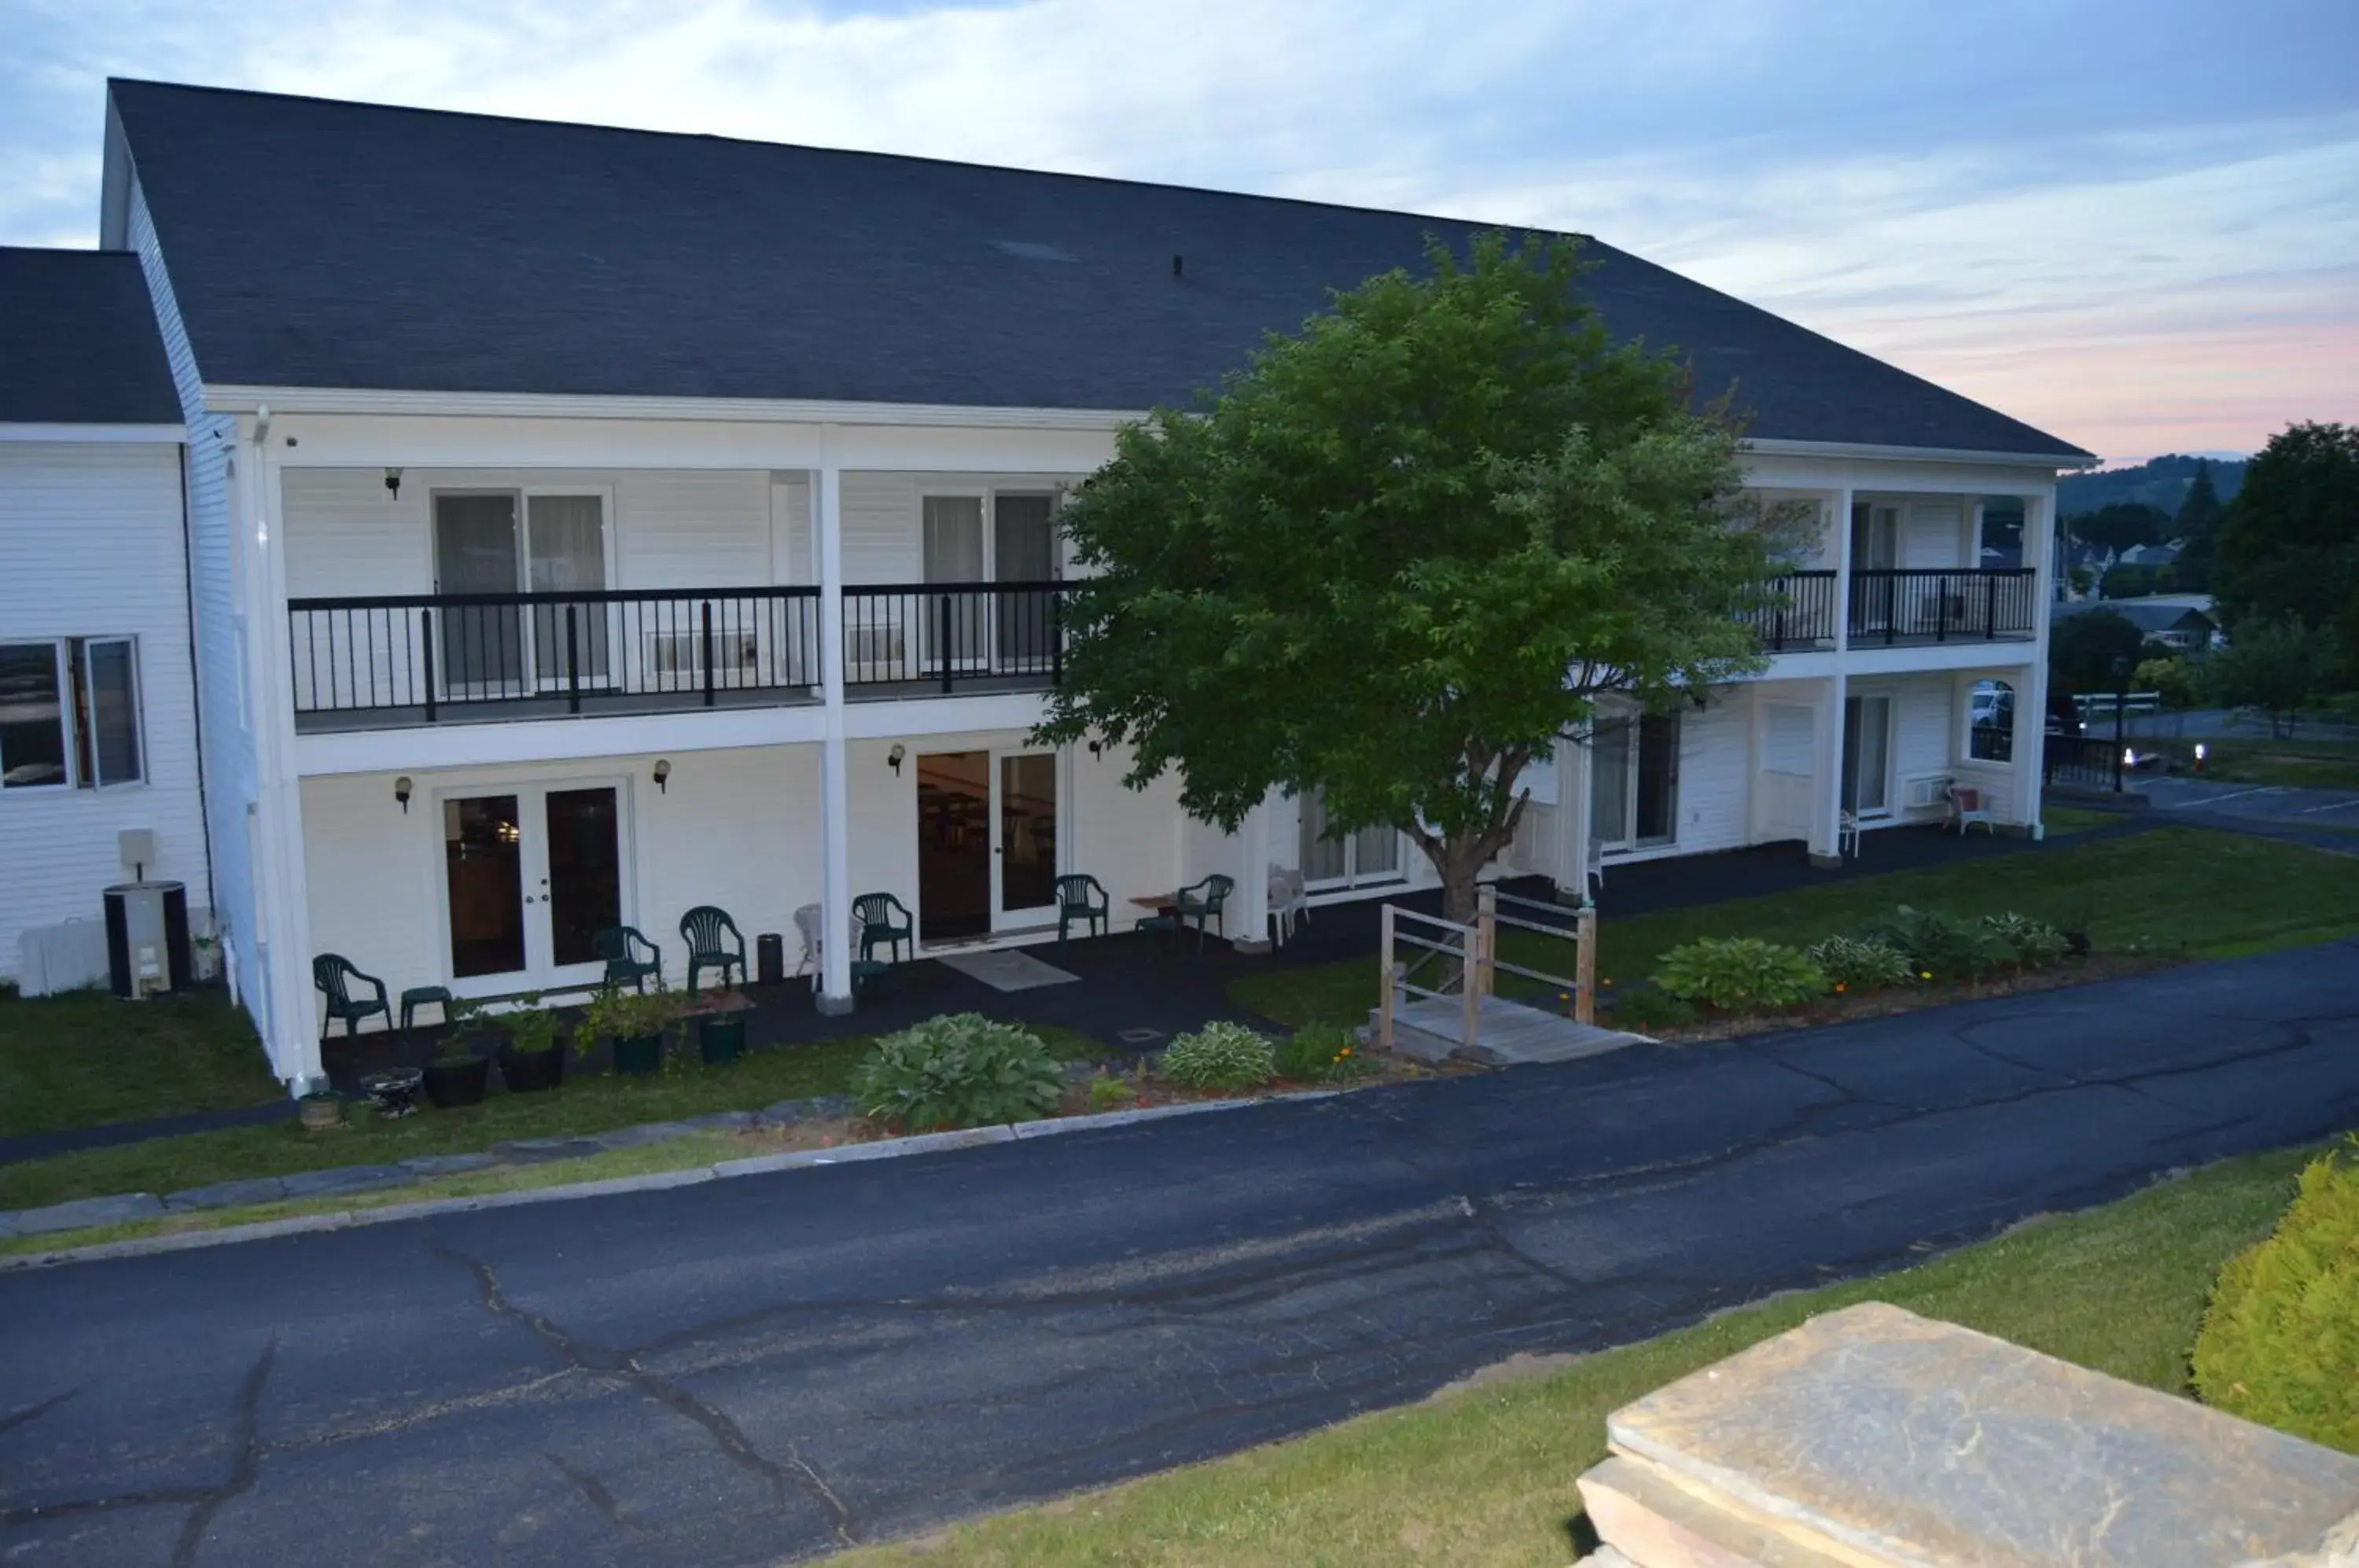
1932	534
1715	773
91	535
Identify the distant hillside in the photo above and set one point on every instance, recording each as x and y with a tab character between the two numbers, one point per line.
2161	484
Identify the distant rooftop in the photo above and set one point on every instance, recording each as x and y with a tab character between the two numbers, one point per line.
329	245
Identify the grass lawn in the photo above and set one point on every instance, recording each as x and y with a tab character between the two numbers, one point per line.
1485	1477
89	1057
2061	822
2305	764
588	1105
2211	895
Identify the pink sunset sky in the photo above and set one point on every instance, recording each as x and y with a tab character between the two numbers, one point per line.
2133	222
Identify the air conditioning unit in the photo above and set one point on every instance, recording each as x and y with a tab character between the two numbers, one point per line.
1925	790
736	655
880	650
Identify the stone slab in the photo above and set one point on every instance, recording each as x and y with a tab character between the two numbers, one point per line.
446	1164
1656	1524
83	1213
719	1121
1007	970
786	1113
646	1133
1876	1435
541	1150
228	1194
346	1179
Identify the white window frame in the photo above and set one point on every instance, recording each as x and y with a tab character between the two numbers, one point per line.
75	690
1966	756
1631	719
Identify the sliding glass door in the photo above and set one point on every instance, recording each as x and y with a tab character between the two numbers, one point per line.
1867	756
1634	782
530	875
1370	855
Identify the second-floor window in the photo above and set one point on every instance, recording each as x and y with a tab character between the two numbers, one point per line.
70	713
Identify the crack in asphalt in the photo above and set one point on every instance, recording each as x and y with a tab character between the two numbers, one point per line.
596	1492
625	1368
34	1413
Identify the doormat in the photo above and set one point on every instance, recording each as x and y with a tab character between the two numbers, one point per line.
1007	970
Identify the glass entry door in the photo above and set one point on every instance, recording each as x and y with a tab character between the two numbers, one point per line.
530	876
1634	782
1024	852
1867	756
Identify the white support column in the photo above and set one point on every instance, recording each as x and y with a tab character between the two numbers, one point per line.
1826	807
1843	504
282	898
1250	929
1572	820
835	799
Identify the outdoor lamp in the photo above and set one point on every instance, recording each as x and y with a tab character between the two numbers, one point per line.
663	774
401	792
894	757
393	483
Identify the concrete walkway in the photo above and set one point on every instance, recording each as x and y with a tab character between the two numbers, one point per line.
757	1370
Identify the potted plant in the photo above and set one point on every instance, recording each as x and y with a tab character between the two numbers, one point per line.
459	1074
635	1021
533	1057
721	1032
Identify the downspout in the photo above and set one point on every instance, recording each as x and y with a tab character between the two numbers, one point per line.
196	692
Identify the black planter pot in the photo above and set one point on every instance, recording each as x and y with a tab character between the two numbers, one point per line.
451	1082
721	1038
641	1056
527	1072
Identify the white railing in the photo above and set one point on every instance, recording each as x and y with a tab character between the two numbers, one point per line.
1475	949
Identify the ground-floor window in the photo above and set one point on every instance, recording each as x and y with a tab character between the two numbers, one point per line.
1634	781
1990	722
1371	855
70	713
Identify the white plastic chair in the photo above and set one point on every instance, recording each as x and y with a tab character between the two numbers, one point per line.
1966	809
1288	900
807	921
1846	834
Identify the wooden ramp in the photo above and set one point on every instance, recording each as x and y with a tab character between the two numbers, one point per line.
1433	1029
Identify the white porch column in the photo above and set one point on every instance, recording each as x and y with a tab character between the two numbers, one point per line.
1843	570
2030	684
1826	804
1250	932
1572	820
834	791
282	904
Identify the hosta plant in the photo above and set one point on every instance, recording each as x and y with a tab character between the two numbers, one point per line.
1940	946
1221	1055
959	1070
1862	963
2035	943
1740	974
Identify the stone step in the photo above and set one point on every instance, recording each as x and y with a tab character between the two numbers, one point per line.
1656	1523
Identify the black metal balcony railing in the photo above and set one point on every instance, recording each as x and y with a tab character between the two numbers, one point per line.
2092	762
411	659
1800	614
909	638
1944	605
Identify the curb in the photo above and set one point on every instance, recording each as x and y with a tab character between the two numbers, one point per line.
686	1176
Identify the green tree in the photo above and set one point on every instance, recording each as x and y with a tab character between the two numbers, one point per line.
1404	551
2197	528
2289	549
2131	581
2084	649
2278	666
2119	526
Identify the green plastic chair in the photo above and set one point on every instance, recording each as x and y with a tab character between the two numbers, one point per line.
1082	898
334	975
620	946
883	917
1202	901
703	928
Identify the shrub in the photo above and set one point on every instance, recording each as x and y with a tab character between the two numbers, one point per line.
2280	1340
1862	963
2035	943
1108	1092
959	1070
1940	946
1221	1056
1740	973
1322	1053
1648	1009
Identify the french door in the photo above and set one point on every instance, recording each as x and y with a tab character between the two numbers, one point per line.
1634	782
1875	548
1867	756
974	540
988	843
501	542
1371	855
531	874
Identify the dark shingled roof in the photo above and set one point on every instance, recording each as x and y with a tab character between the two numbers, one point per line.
77	341
322	244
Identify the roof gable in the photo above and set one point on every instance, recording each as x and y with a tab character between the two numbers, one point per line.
79	344
320	243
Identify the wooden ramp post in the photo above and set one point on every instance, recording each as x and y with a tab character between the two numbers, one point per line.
1386	980
1585	973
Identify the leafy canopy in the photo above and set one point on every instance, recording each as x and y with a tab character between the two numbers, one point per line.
1404	550
2289	546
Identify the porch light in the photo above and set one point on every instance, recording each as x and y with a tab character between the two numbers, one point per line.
894	757
393	483
1097	748
663	774
401	788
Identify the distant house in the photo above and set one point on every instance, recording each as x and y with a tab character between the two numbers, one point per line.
2180	622
2149	555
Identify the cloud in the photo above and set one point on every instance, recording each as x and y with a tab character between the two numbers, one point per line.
2111	217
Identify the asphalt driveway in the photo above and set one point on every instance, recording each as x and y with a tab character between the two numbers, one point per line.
757	1370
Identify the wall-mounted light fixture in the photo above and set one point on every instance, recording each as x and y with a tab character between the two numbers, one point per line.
895	757
663	774
393	483
1097	748
401	792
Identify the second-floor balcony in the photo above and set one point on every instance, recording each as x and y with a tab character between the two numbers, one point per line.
380	661
1892	607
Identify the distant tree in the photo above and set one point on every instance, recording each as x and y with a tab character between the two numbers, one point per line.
2082	580
2279	667
2084	649
2120	526
2197	528
2289	549
2177	681
2132	582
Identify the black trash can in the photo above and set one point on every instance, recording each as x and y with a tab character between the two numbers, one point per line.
770	958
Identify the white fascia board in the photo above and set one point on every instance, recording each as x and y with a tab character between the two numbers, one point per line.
242	399
145	435
1853	450
1929	659
912	718
431	748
